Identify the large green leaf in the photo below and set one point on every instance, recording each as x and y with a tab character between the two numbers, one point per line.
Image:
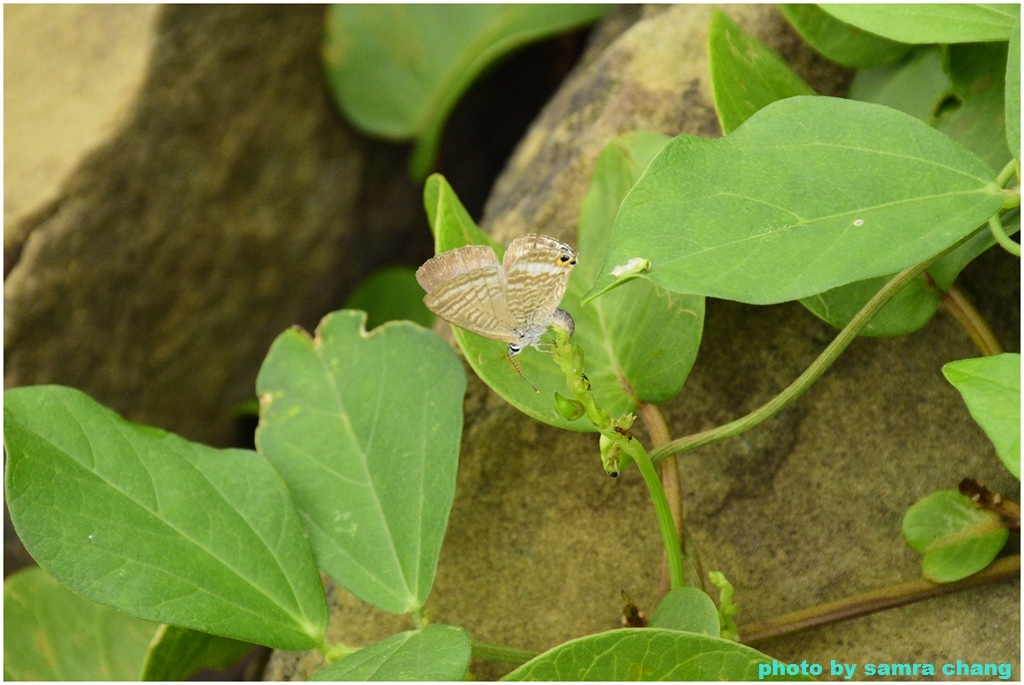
990	387
840	42
917	85
157	526
977	74
365	429
398	70
956	538
931	23
746	75
650	654
50	633
178	653
438	652
799	200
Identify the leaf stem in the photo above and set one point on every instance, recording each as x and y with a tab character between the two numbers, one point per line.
971	320
506	655
812	373
569	358
1012	168
1007	568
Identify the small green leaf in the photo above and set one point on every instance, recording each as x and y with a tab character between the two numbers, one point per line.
364	430
1012	92
179	653
391	294
51	633
398	70
799	200
931	23
157	526
956	538
438	652
840	42
990	387
688	609
649	654
746	75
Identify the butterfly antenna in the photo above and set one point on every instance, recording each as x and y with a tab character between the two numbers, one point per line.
520	372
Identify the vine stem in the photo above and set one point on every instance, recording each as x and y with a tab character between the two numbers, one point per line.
874	601
812	373
506	655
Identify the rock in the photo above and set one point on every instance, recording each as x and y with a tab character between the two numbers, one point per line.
229	204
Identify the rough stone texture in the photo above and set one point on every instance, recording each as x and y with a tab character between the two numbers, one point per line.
804	509
231	204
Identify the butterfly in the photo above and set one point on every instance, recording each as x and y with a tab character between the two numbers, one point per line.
513	301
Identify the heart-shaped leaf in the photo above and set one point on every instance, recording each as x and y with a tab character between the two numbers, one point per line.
797	201
438	652
159	527
365	429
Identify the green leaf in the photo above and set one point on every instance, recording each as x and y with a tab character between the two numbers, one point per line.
398	70
916	86
1012	91
641	341
688	609
799	200
956	538
365	429
976	72
391	294
179	653
931	23
746	75
453	228
991	388
438	652
913	306
159	527
840	42
648	654
50	633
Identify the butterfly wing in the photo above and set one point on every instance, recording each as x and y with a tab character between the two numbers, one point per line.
537	270
466	287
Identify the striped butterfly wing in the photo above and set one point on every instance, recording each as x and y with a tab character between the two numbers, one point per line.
537	270
466	287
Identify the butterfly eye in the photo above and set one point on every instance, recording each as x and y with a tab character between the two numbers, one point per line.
564	258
